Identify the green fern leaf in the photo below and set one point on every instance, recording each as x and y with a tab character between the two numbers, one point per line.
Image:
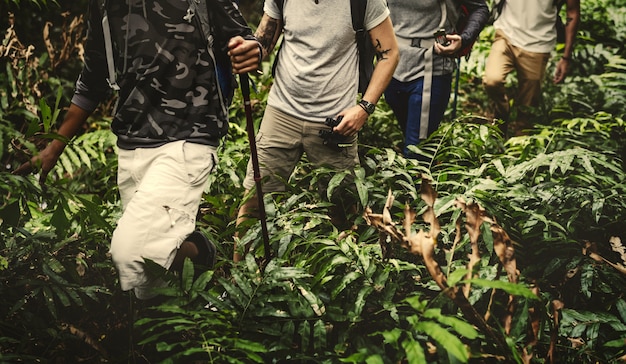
414	351
446	339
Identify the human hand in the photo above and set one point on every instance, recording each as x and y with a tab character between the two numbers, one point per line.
42	162
245	55
451	49
352	121
46	159
561	70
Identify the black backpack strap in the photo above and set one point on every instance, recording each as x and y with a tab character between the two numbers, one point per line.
280	4
102	5
221	20
496	10
364	44
358	15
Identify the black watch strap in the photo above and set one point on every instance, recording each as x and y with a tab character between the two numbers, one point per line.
367	106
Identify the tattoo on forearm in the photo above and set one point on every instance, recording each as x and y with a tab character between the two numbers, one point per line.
266	33
380	53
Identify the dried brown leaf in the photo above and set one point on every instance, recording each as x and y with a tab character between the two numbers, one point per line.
409	219
576	342
48	43
387	208
590	249
429	195
618	247
423	243
503	246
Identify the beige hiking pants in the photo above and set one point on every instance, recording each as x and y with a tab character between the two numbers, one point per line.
503	59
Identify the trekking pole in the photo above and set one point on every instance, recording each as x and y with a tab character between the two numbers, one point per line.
245	92
456	88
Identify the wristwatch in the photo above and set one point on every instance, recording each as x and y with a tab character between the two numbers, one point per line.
367	106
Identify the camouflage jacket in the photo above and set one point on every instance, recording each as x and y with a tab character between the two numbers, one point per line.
168	87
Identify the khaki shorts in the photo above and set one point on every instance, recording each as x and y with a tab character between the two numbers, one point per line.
281	142
160	190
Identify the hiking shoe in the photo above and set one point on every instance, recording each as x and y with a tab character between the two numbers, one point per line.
206	249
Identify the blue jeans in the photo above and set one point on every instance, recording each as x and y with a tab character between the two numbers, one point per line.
405	99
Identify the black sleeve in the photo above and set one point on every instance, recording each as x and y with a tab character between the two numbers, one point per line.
92	87
476	21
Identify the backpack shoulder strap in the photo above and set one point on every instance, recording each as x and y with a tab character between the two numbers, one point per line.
357	8
496	10
102	5
366	50
281	5
108	45
201	9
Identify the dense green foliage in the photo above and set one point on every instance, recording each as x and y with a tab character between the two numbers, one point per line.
330	296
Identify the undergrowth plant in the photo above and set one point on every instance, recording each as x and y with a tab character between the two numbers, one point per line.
484	250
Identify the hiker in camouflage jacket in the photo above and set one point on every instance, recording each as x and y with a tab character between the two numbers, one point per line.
169	119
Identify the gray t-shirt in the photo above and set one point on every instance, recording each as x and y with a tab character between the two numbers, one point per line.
317	70
419	20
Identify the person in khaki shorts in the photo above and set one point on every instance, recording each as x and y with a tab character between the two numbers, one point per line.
316	77
525	36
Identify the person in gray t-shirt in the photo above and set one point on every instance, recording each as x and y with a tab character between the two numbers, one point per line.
316	77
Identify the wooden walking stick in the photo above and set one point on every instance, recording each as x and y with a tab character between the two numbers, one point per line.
244	80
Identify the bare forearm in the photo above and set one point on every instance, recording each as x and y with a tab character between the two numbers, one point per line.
73	121
268	32
571	26
388	57
47	158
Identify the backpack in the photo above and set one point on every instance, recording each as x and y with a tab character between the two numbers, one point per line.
365	48
227	82
460	25
217	47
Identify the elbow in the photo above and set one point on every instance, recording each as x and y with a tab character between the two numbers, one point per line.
394	53
396	58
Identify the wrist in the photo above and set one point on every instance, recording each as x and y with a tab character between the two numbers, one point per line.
261	55
367	106
364	109
55	147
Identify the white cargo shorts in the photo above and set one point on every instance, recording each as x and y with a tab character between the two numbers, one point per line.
160	190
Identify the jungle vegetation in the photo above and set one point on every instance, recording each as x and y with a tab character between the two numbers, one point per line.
494	250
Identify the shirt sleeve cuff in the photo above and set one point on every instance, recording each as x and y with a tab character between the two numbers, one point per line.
84	103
